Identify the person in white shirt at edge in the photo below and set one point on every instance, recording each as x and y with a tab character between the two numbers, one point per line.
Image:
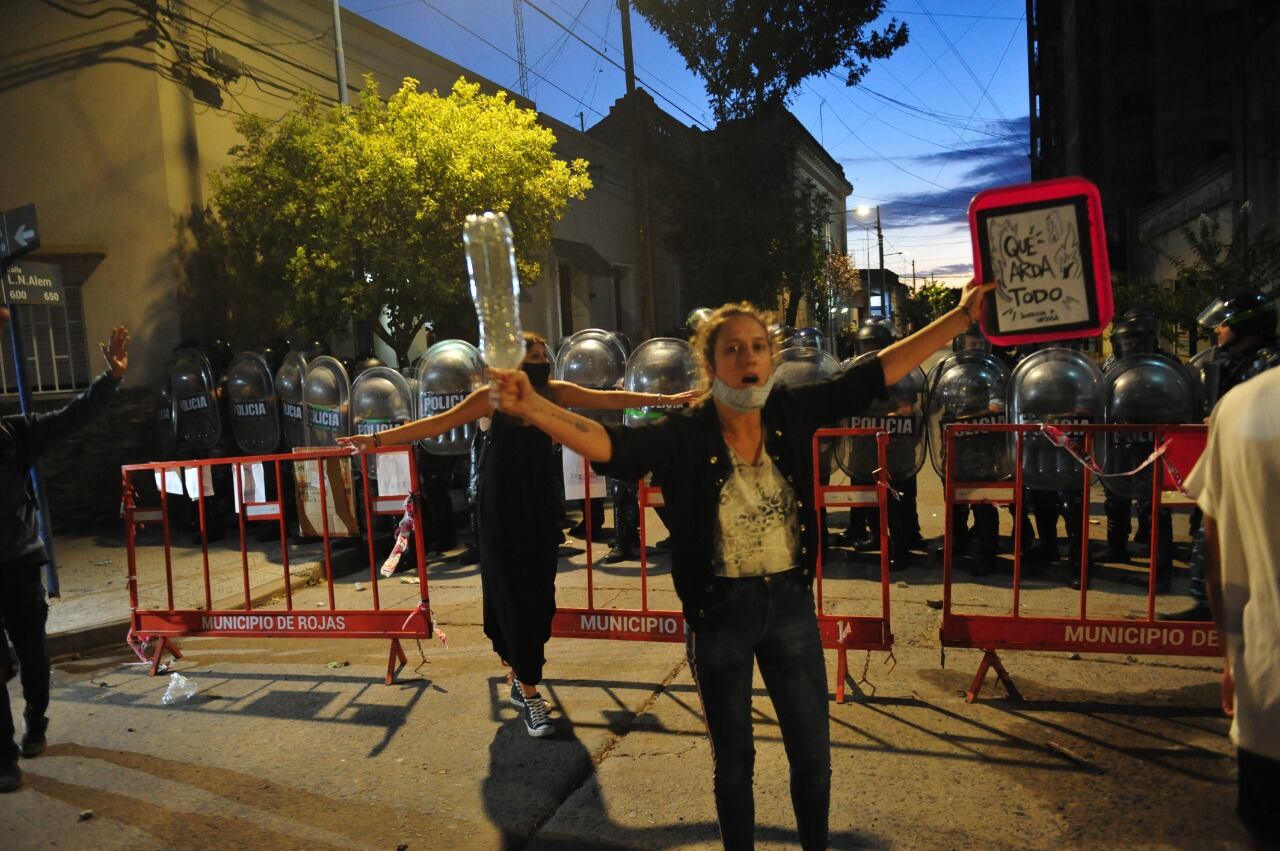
737	479
1234	483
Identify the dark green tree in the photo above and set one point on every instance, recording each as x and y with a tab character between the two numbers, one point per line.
751	53
1218	267
926	303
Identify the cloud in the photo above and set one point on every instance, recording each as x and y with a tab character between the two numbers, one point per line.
949	270
997	159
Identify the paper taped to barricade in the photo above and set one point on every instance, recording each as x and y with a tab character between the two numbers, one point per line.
255	483
393	474
575	480
186	481
339	497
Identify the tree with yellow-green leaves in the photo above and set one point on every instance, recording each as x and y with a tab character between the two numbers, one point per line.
340	212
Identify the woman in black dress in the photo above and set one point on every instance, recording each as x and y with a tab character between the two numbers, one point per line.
737	475
518	511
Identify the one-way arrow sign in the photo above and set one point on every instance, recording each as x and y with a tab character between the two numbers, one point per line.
19	234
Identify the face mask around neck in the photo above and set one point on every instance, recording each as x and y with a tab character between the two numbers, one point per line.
742	399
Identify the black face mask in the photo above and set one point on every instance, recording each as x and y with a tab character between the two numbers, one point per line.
539	373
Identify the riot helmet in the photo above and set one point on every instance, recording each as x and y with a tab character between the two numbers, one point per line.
313	349
874	334
1247	313
365	360
972	340
219	354
780	335
808	337
1136	332
696	317
273	352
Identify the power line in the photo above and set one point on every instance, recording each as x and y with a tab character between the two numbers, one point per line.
486	41
985	88
535	7
963	63
954	15
604	39
900	168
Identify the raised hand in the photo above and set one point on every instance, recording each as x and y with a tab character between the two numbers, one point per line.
116	352
971	298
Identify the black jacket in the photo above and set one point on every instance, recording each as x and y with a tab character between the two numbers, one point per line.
23	439
687	452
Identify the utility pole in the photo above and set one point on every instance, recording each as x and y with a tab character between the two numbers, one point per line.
521	59
913	274
884	307
639	178
337	54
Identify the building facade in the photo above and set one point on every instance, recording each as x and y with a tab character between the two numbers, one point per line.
1172	107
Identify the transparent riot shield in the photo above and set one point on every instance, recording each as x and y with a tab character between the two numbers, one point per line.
449	371
592	358
380	399
1144	388
193	400
1058	387
661	365
326	395
969	388
290	379
255	411
901	415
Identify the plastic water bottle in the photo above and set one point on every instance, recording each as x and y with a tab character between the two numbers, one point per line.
180	689
495	288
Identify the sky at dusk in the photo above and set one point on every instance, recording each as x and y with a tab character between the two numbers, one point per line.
943	118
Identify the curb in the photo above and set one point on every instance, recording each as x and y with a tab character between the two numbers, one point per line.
79	642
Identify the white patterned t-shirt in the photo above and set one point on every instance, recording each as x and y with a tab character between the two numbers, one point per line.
757	529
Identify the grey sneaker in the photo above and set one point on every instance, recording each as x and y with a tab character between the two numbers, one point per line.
517	693
535	717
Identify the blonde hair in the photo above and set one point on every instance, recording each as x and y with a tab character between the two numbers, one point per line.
532	338
703	342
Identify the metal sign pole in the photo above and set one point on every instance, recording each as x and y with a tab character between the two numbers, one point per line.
37	477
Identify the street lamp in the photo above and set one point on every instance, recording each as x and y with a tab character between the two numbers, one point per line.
865	212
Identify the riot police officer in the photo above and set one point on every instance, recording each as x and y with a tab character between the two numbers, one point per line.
1140	385
1054	386
1243	324
873	335
970	386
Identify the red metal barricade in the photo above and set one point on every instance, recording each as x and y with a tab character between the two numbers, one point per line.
1180	446
166	624
839	631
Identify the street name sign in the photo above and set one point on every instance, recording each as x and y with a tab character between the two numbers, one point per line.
34	283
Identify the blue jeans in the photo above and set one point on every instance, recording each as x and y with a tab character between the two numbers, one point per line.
769	620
